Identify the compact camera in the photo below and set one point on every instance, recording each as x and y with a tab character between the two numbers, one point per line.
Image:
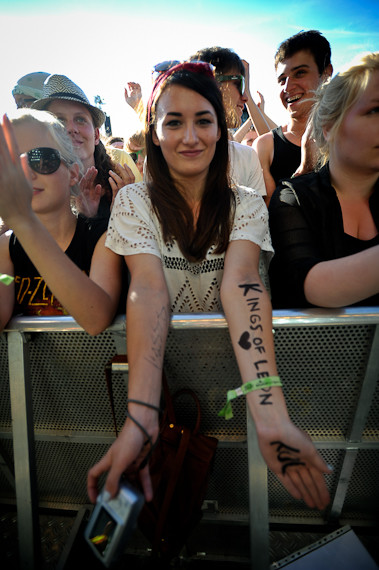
112	522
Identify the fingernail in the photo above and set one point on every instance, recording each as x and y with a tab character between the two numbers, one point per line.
106	495
330	467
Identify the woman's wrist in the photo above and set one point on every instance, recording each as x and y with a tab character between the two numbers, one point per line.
268	408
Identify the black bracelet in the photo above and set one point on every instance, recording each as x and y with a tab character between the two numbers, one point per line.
148	437
156	408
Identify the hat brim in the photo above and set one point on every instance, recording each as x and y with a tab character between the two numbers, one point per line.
97	114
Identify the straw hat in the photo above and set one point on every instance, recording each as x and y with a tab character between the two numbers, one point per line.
61	87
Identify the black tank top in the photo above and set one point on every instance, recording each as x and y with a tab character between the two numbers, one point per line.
287	157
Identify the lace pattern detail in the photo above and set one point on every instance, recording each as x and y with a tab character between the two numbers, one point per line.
193	286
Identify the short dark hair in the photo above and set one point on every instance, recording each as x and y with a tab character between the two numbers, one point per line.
311	40
223	59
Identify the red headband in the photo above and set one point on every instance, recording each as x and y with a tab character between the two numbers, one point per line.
191	66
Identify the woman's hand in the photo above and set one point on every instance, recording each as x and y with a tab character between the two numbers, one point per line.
16	188
261	101
88	200
247	76
133	94
124	456
291	455
122	177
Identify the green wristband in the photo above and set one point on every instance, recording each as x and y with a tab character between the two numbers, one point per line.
257	384
6	279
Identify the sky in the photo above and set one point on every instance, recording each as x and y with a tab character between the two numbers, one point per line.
101	45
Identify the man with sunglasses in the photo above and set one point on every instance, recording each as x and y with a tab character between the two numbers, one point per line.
232	73
302	62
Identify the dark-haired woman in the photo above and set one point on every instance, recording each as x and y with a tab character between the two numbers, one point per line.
192	243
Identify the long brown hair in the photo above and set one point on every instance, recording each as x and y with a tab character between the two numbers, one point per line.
217	205
103	163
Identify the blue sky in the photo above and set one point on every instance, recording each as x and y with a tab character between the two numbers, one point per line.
101	45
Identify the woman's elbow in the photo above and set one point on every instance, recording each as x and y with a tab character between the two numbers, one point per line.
97	321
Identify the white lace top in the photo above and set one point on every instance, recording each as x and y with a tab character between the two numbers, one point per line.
192	286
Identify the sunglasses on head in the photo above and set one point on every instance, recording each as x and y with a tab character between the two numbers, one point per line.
201	67
44	160
165	65
186	65
239	78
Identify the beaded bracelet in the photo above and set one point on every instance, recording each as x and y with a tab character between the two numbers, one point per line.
257	384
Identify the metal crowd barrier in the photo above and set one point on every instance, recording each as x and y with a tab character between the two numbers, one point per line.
55	417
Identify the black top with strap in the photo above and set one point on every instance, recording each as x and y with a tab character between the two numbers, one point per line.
32	295
306	227
287	157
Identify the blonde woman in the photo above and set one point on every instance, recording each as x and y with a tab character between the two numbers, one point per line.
324	225
50	251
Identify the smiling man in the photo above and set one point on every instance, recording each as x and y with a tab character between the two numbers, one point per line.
301	62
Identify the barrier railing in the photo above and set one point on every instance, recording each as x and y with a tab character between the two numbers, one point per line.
55	419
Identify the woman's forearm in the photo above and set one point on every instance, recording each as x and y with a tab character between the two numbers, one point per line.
258	118
344	281
287	450
148	318
248	312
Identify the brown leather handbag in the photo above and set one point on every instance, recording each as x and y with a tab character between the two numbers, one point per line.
180	466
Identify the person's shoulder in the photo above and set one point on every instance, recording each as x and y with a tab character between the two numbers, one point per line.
244	194
239	147
264	143
243	151
132	196
134	189
5	240
293	191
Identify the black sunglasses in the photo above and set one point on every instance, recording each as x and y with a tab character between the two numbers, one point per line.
44	160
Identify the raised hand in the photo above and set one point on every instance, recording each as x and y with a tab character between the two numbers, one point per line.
261	101
88	200
133	94
16	190
122	177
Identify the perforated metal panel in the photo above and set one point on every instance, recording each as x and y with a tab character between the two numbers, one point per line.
363	492
371	430
68	382
228	484
322	368
5	410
